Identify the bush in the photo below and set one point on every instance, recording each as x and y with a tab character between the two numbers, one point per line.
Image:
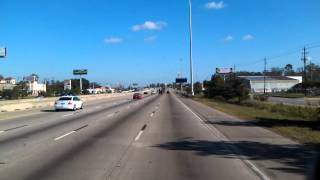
260	97
231	88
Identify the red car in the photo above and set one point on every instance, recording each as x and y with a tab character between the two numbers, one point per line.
137	96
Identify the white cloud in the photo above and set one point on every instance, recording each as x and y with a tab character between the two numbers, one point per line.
247	37
150	39
113	40
228	38
215	5
149	25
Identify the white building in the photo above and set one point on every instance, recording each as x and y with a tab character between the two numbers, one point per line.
34	87
10	80
7	83
272	83
67	85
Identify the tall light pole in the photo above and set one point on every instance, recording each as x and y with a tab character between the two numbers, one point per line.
190	47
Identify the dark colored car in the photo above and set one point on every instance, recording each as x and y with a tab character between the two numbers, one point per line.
145	92
137	96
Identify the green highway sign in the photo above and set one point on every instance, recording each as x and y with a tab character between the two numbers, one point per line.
80	71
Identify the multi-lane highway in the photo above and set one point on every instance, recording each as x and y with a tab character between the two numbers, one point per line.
158	137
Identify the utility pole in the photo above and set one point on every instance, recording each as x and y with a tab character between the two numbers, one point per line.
310	70
234	71
304	59
264	75
190	46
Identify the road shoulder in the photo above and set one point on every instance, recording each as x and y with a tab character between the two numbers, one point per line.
279	157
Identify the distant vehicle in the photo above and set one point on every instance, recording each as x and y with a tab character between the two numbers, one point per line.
168	92
153	92
137	96
68	103
145	92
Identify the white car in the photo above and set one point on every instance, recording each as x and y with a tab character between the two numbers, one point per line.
68	103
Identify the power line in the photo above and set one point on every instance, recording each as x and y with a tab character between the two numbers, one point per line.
274	57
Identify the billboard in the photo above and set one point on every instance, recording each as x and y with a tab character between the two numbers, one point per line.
3	52
80	71
181	80
224	70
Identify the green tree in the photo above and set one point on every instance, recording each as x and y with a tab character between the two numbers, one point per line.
288	70
197	88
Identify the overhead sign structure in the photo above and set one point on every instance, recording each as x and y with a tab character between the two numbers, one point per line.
80	72
224	70
3	52
181	80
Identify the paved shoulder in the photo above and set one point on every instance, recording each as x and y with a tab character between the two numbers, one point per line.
276	156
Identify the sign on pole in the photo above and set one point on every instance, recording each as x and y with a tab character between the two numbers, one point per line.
181	80
224	70
80	72
3	52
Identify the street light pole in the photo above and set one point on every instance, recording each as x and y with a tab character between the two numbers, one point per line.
190	47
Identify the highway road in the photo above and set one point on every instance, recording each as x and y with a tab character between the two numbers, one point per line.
158	137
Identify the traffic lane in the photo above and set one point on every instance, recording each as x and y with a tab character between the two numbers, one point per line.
19	139
176	145
277	156
39	115
89	153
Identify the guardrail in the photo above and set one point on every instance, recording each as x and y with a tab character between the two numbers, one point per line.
24	104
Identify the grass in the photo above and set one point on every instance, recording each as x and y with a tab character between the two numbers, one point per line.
288	95
299	126
291	95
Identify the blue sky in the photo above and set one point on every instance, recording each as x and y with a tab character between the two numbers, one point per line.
146	41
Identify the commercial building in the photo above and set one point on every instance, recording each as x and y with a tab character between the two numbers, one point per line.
271	83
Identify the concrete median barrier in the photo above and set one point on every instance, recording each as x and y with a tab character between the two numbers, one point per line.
24	104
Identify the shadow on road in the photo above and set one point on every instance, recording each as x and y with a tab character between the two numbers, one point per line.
268	122
295	158
47	110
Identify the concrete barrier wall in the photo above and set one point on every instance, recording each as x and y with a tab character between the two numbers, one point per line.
23	104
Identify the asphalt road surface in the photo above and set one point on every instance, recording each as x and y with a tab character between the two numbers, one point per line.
163	137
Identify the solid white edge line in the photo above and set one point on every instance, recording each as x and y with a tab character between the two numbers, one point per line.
110	115
60	137
67	115
252	166
138	136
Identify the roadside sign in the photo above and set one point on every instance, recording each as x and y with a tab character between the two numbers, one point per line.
181	80
223	70
3	52
80	72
